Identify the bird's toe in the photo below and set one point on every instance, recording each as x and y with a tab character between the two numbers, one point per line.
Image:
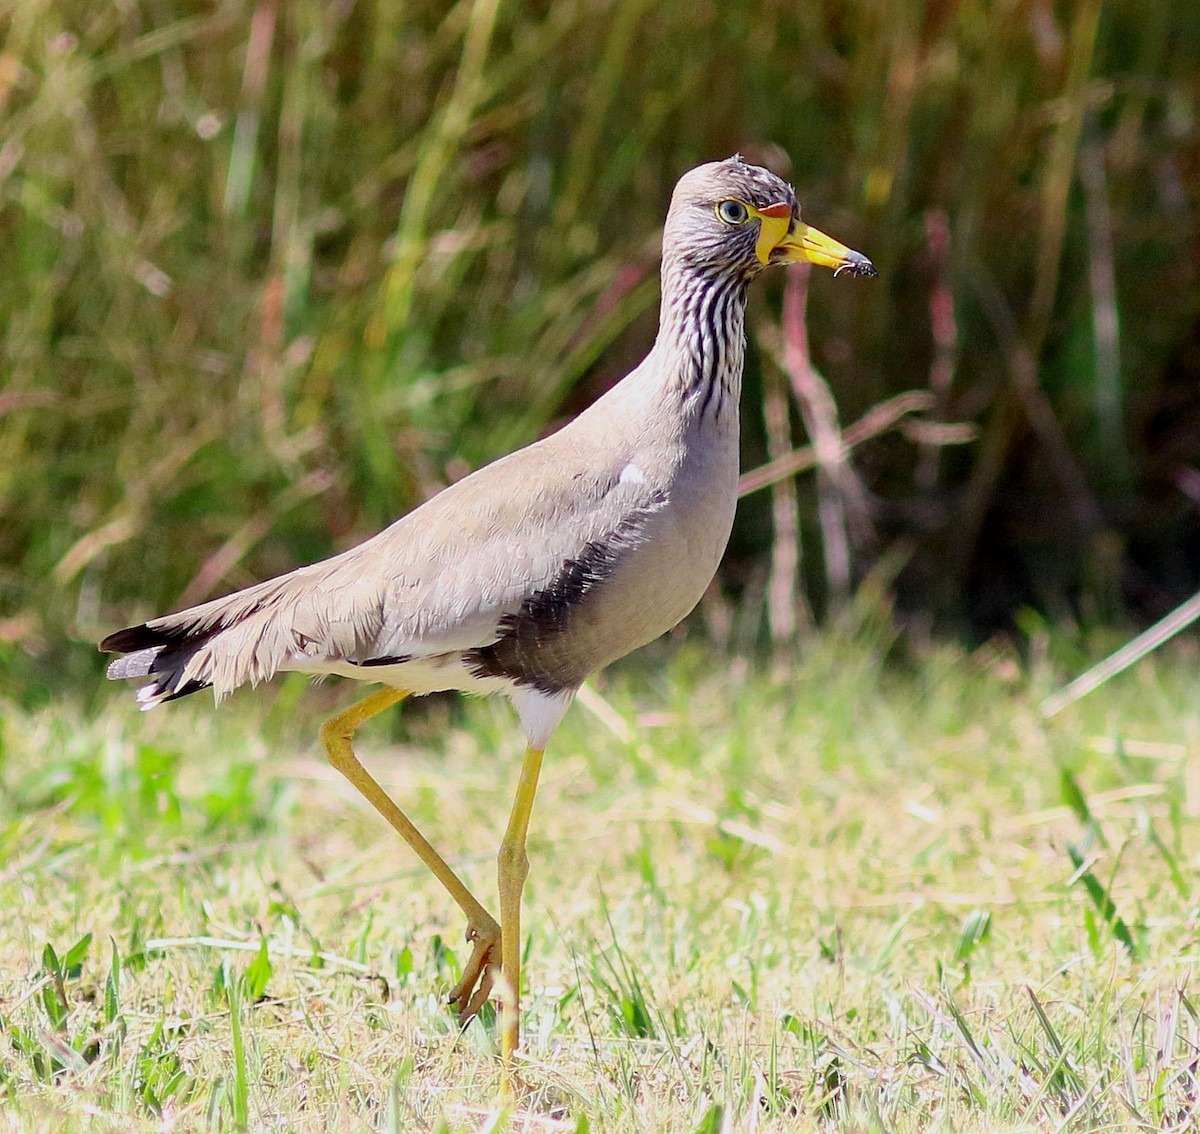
479	974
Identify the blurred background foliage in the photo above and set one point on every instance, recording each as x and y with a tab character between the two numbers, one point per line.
275	272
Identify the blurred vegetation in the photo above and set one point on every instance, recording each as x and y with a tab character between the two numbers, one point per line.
273	273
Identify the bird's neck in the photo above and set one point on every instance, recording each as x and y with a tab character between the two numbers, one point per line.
701	342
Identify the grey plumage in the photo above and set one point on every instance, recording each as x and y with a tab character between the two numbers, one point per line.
553	561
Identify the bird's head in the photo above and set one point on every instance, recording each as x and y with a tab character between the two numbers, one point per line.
736	217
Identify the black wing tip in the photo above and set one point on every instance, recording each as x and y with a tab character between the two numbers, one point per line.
127	641
186	690
134	638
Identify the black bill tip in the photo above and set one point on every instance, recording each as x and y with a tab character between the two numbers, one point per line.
856	265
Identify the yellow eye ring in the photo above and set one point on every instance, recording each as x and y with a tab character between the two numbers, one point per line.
732	211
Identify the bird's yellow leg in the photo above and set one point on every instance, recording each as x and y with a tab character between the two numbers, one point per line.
512	869
337	734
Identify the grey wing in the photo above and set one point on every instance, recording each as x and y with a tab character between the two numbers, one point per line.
512	561
448	577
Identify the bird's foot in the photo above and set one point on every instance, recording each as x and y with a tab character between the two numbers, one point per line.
479	975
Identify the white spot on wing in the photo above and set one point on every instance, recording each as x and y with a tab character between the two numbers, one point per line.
631	474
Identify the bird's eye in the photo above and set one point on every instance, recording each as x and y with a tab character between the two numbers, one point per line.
732	212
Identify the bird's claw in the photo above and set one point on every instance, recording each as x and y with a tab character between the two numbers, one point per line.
479	974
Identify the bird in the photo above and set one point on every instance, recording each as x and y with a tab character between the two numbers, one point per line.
535	571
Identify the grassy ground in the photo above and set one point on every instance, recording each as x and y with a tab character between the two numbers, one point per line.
851	896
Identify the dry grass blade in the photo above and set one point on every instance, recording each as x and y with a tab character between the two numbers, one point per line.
876	421
841	506
787	608
943	328
1132	652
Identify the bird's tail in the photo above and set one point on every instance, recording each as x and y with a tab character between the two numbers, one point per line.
223	644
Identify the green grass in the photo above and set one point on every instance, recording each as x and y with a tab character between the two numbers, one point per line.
858	895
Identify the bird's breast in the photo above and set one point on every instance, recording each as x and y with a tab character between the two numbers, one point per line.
657	581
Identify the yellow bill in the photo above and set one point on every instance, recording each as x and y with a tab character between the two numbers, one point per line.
782	239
